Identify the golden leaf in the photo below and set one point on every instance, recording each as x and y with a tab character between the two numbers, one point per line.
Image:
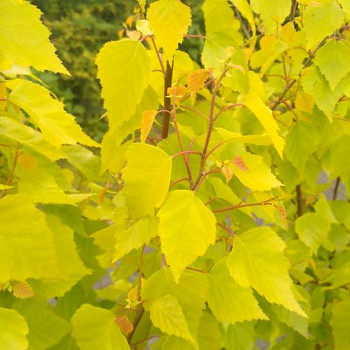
22	290
146	124
124	324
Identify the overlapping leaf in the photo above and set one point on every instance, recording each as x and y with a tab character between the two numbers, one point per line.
269	277
186	229
20	23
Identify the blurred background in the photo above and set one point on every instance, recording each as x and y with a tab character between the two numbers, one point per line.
79	29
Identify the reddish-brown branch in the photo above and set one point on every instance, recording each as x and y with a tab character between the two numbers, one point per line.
266	202
178	181
186	152
210	128
198	36
187	164
168	77
232	105
299	201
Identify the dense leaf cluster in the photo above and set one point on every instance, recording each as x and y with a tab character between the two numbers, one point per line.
213	214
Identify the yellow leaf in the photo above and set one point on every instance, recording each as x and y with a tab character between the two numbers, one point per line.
227	172
24	40
147	192
186	229
283	214
177	92
22	290
269	277
197	79
146	124
124	324
304	102
254	173
26	161
264	114
3	97
168	315
58	126
169	20
124	71
142	25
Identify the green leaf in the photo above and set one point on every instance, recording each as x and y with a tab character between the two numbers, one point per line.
22	256
175	343
214	9
332	59
124	72
312	229
240	336
13	330
209	337
292	319
272	12
168	316
256	174
339	151
134	236
340	323
83	160
146	192
57	126
186	228
316	85
29	137
45	328
106	238
269	277
20	23
302	140
264	115
95	328
191	291
215	51
331	17
37	182
71	269
228	301
169	20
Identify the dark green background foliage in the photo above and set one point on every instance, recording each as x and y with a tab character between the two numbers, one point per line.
79	29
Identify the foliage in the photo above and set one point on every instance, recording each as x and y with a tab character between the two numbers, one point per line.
212	215
79	30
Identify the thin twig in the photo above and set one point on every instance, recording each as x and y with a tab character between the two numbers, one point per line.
199	36
158	55
12	171
143	340
299	201
178	181
194	110
244	28
168	77
266	202
187	165
232	105
336	188
186	152
210	128
136	323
